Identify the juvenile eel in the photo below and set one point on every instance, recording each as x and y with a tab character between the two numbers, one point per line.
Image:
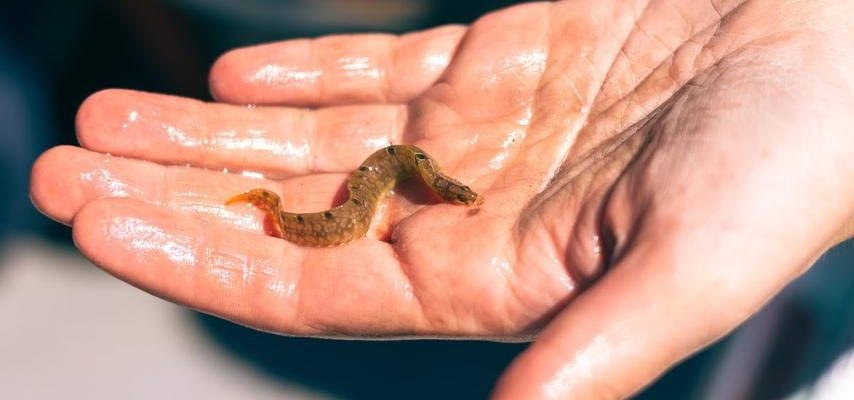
368	185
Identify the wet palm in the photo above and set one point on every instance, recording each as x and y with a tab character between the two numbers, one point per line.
677	145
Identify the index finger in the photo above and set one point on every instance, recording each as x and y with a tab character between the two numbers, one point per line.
336	69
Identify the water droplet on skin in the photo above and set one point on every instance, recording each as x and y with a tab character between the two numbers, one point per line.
512	137
501	265
133	116
497	162
359	66
225	170
250	106
257	140
375	143
597	246
149	241
252	174
278	75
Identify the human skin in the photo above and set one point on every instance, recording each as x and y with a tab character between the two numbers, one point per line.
654	172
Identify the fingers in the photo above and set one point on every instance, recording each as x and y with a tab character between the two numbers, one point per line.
276	140
66	178
338	69
262	282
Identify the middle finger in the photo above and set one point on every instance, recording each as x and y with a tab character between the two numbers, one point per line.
278	141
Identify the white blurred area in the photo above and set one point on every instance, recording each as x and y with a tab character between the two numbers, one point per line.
838	382
69	330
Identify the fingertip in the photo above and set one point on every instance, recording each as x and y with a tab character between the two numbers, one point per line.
273	73
50	190
221	76
87	230
39	181
93	121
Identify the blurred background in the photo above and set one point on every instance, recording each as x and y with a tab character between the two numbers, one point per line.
67	329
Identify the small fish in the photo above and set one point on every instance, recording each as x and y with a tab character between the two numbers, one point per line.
368	185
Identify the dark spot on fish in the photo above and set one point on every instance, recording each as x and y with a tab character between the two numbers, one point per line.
420	156
356	202
363	168
300	219
390	150
461	197
327	215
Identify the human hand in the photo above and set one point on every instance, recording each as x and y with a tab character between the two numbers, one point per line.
679	160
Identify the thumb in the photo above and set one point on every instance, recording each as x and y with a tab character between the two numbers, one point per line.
641	318
618	336
673	289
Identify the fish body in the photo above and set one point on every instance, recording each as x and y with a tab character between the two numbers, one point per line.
368	185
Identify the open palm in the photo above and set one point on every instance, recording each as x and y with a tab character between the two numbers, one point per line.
672	142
